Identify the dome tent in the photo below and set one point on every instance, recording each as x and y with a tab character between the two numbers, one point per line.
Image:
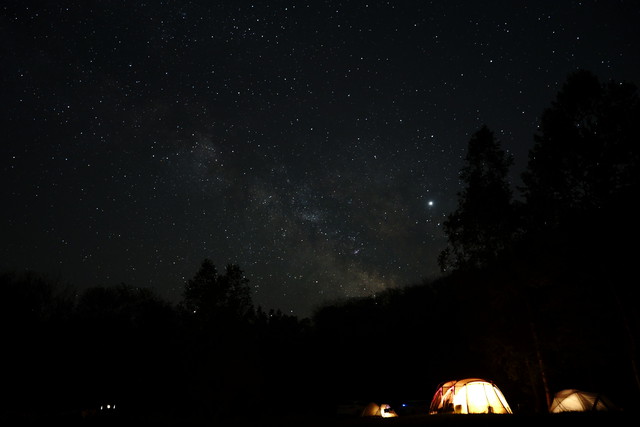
469	396
383	410
572	400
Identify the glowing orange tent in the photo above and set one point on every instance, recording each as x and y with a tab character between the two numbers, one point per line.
469	396
383	410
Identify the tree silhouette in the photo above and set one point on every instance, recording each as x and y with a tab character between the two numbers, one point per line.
586	153
221	361
583	171
482	225
202	288
212	297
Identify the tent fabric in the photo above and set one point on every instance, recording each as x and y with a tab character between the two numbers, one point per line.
469	396
383	410
572	400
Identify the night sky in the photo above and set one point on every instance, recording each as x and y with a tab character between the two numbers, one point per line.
316	144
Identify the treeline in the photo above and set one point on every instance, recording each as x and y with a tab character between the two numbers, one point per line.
66	352
538	295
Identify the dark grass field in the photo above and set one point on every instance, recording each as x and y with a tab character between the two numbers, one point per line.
307	419
542	420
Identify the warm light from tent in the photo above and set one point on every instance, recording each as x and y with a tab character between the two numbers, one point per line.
470	396
386	411
479	398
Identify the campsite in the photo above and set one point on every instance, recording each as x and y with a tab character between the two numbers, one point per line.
279	370
467	402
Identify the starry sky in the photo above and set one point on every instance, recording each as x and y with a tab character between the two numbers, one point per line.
316	144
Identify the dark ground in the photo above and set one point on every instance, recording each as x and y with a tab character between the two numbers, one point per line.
547	420
542	420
